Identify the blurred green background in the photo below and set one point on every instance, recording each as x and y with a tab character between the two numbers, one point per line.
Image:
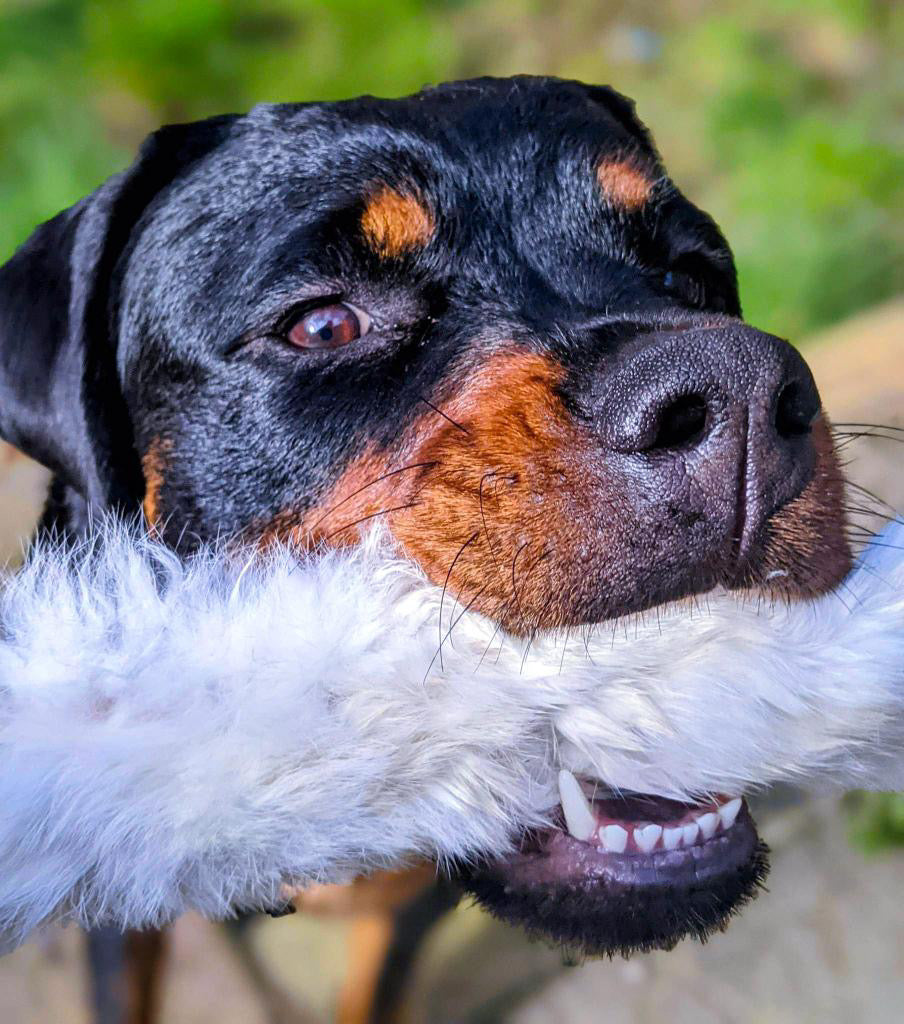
783	119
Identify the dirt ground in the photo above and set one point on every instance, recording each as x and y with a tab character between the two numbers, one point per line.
825	944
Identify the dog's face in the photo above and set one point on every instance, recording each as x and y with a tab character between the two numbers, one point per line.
485	317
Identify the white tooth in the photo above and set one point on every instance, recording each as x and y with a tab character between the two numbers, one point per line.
614	838
671	838
647	837
690	833
579	815
728	812
708	824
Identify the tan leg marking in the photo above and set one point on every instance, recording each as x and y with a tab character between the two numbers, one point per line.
153	464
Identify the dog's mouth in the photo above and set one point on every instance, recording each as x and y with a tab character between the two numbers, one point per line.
624	873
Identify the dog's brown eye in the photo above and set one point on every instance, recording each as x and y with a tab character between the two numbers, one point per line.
685	287
329	327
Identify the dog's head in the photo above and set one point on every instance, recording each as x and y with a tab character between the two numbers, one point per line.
484	316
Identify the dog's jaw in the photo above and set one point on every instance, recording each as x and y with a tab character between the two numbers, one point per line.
629	883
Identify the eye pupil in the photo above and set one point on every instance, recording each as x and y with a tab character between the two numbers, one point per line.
327	327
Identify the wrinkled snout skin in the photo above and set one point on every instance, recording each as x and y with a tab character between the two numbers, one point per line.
708	433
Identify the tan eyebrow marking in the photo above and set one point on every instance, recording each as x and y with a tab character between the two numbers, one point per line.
624	183
396	222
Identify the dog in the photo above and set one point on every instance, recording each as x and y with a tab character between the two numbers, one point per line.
484	317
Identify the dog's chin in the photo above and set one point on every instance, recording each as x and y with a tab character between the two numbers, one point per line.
599	902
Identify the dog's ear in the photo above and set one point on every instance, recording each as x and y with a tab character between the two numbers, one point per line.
60	396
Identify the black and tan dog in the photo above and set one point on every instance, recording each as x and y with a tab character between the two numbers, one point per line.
482	314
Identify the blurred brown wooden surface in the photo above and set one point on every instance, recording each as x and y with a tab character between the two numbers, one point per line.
22	488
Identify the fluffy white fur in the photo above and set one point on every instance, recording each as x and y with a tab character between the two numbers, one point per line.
178	735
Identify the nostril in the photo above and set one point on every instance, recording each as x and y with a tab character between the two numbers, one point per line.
681	422
795	410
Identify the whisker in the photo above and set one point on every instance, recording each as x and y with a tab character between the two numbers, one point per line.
871	426
515	585
464	612
449	632
446	417
881	544
837	595
377	480
564	648
868	568
851	435
847	588
472	538
483	517
488	646
862	531
373	515
871	494
862	511
535	630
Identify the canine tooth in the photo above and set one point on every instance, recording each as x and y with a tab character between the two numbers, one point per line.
708	824
579	815
647	837
614	838
671	838
728	812
690	833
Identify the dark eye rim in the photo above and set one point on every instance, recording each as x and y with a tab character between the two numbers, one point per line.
687	287
693	279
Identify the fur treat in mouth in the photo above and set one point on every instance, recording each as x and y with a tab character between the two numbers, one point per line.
199	733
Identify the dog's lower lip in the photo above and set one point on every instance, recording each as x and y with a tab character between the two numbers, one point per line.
602	901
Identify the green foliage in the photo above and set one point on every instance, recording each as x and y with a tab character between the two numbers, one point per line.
81	81
779	119
813	175
877	820
783	120
191	58
53	147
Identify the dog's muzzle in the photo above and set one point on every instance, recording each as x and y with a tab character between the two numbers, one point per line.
618	874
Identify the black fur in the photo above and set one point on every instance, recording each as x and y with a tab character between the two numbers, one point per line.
155	313
153	308
60	394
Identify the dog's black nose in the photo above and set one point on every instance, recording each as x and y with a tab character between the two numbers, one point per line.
710	426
